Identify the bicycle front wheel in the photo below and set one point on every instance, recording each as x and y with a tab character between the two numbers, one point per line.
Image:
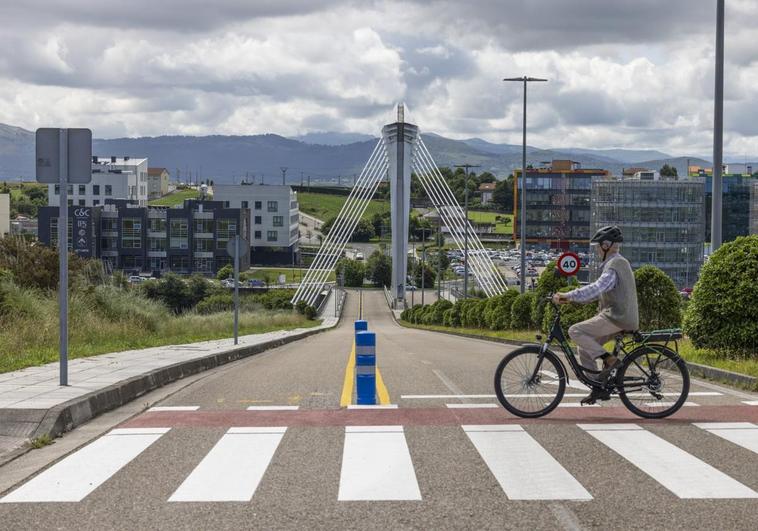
653	382
522	392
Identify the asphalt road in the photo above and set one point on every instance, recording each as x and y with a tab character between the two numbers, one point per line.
423	465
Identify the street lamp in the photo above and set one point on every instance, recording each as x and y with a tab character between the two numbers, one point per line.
465	227
718	130
522	281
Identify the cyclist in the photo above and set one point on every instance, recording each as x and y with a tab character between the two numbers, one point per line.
616	291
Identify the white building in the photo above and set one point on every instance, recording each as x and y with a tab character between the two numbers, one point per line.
112	178
5	214
157	182
274	213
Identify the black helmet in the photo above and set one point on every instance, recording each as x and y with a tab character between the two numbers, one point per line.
609	233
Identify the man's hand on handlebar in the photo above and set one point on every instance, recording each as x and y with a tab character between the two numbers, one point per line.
560	298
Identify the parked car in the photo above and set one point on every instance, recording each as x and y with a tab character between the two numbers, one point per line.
686	293
410	287
135	279
255	283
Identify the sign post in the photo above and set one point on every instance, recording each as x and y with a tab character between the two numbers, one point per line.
568	264
63	156
234	247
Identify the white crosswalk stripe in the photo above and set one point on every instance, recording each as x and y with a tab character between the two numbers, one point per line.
743	434
376	465
524	469
680	472
233	468
80	473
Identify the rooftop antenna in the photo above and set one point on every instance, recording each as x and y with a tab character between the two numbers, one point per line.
284	174
400	113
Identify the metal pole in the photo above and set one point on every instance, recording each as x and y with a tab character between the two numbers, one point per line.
465	238
718	130
236	287
63	254
522	280
439	253
423	264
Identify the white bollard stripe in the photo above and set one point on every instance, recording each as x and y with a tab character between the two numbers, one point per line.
376	465
522	467
680	472
73	478
233	468
743	434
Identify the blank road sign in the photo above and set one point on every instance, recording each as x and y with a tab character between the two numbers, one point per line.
47	147
244	246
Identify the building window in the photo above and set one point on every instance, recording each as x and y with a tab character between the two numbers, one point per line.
226	204
180	264
131	262
82	189
258	220
95	202
131	233
204	226
203	265
225	229
178	234
70	189
70	202
109	224
203	245
258	235
54	233
81	202
278	221
156	244
258	205
273	206
244	204
272	235
95	189
156	225
57	189
108	189
156	264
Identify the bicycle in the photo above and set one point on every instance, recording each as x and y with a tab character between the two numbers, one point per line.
653	380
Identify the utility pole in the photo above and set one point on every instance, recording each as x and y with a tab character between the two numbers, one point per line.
423	260
439	253
465	234
301	180
284	174
522	280
718	130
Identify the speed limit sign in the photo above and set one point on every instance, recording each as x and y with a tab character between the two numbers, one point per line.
569	264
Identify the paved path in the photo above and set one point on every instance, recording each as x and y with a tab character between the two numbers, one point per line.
263	443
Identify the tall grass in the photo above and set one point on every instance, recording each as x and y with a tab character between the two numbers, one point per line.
108	319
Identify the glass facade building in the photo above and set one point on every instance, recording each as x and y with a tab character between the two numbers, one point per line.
737	198
663	222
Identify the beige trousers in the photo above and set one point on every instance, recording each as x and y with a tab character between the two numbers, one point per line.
590	336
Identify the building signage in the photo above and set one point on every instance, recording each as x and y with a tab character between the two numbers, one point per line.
82	231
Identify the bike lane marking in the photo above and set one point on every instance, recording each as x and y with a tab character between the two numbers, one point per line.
680	472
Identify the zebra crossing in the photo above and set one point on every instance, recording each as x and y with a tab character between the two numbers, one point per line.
377	463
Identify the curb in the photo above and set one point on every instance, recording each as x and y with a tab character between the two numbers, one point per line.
67	416
734	379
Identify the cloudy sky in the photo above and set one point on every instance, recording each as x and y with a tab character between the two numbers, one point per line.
622	73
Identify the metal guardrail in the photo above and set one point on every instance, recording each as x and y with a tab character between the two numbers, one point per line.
324	297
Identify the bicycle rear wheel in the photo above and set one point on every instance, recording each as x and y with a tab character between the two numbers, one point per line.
523	395
653	382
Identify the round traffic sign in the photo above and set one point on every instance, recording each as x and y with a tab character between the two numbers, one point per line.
568	264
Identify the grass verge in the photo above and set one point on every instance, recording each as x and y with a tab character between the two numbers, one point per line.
293	275
325	206
175	198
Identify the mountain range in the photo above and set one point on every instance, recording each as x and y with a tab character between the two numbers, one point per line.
322	156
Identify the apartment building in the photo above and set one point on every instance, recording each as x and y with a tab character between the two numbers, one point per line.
188	239
113	178
157	182
736	201
662	220
274	219
557	205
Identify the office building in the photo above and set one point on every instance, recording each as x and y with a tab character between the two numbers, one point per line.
737	197
5	214
662	221
754	207
557	205
157	182
113	178
274	219
136	239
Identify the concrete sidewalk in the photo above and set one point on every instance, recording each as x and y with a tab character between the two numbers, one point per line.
33	404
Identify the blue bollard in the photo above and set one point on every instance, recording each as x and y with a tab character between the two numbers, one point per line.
360	326
365	368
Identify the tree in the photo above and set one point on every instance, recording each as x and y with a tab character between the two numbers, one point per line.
225	272
363	232
659	301
171	290
354	272
503	194
668	171
429	275
722	313
379	269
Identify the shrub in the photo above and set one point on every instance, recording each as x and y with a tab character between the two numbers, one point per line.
571	314
225	272
521	311
472	315
497	314
658	299
722	312
300	306
435	314
310	312
354	272
379	269
450	318
548	282
275	299
218	302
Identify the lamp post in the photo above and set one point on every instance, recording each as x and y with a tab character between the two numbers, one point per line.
718	130
465	228
423	260
522	280
439	253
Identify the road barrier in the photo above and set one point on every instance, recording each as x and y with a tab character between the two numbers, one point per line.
365	367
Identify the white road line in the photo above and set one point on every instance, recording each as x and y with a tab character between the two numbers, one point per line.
376	465
576	404
471	406
664	403
680	472
174	408
750	402
372	406
691	393
524	469
233	468
743	434
273	408
73	478
421	397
